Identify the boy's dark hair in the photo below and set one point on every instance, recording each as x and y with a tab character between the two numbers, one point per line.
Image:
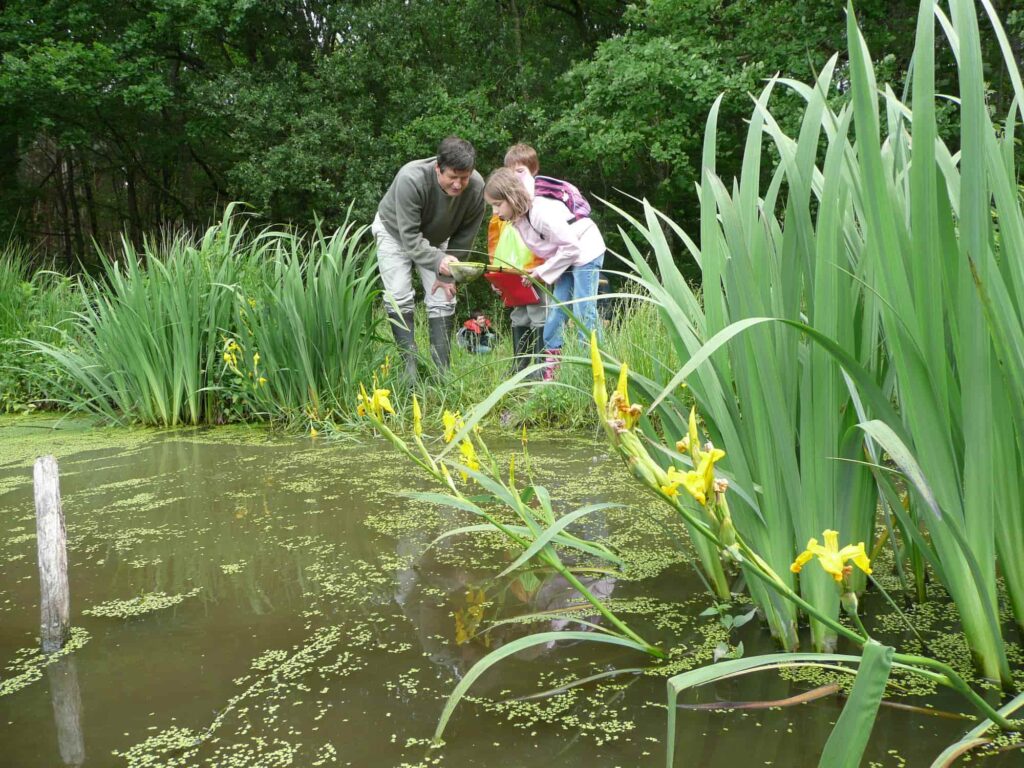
455	153
477	312
523	154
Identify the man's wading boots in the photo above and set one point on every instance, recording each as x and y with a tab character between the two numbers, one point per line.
402	328
441	341
528	348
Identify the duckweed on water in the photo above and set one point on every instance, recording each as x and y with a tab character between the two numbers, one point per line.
358	591
25	438
28	663
138	606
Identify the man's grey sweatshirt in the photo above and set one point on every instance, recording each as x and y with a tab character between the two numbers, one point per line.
418	214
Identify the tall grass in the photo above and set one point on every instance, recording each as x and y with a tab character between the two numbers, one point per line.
313	324
774	402
145	347
633	329
900	262
173	334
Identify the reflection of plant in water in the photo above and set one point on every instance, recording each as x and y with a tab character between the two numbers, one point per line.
28	663
539	530
535	535
468	618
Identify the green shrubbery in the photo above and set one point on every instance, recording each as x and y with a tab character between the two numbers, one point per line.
32	305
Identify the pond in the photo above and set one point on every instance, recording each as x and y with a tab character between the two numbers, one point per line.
241	599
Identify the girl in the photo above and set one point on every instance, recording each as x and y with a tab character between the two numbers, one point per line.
572	253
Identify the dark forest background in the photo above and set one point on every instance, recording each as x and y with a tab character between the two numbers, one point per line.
139	115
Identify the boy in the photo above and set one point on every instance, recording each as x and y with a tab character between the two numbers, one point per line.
528	320
476	334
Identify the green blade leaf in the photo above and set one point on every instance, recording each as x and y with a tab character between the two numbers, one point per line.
846	743
510	649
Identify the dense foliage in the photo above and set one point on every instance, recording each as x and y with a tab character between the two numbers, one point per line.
133	116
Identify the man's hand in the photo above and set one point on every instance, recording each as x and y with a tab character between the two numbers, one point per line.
448	288
442	267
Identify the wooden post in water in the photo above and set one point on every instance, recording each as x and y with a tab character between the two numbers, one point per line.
51	541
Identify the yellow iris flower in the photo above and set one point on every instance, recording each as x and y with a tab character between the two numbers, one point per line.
231	352
452	424
832	558
699	483
378	404
417	417
617	411
468	457
704	480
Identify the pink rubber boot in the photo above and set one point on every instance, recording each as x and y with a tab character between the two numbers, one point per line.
551	364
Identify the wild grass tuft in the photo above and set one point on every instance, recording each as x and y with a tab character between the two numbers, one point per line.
33	302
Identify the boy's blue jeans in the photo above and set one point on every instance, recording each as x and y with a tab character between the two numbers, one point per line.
578	284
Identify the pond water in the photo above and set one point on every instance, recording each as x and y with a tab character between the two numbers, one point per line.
299	617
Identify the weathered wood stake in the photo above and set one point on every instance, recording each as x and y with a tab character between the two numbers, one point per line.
51	540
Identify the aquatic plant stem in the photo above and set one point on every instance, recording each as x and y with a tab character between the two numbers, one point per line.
607	614
436	470
957	683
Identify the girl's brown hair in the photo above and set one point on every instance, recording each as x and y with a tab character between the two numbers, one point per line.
504	184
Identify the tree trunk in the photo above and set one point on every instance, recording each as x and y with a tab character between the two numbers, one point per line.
76	214
90	199
63	208
134	218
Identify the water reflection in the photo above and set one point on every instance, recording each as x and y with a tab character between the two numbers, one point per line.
67	710
460	611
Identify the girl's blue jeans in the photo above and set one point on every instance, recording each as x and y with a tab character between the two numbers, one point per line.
578	284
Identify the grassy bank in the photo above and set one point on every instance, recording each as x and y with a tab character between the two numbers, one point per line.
235	325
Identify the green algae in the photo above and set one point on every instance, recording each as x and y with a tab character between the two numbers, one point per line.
24	438
138	606
28	663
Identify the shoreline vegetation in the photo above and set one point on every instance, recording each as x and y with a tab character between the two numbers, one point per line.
264	326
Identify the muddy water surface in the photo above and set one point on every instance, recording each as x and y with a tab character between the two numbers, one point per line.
247	600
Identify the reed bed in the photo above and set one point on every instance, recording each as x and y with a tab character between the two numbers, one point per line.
862	314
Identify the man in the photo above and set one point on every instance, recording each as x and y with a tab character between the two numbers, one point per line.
428	218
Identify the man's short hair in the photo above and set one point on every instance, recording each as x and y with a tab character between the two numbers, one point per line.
523	154
455	153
